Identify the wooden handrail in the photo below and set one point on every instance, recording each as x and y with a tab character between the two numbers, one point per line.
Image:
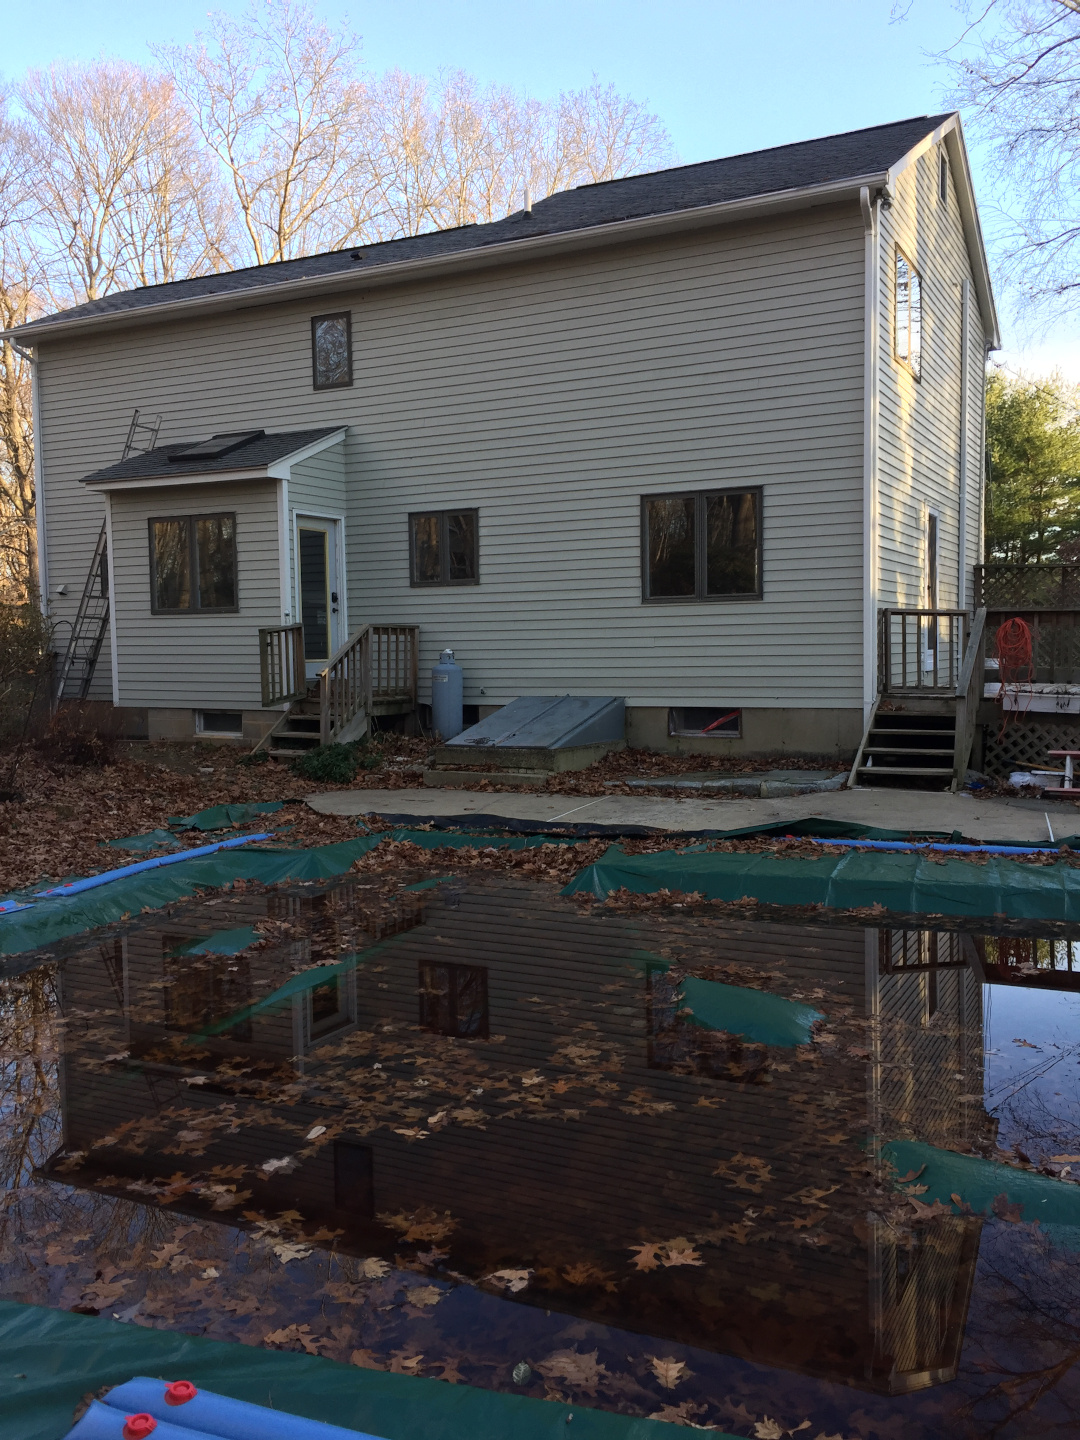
922	632
968	694
378	663
281	664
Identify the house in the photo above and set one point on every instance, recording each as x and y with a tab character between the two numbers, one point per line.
681	438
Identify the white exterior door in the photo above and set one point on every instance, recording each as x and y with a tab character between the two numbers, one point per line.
319	589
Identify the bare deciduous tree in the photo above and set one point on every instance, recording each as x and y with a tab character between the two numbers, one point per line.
124	195
18	535
278	100
1022	94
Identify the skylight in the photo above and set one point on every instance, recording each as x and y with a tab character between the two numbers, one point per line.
217	445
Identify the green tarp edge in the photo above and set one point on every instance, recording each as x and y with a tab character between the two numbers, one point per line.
50	920
219	817
906	882
1055	1204
753	1014
65	1356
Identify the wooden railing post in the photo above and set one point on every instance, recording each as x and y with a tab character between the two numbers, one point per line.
281	664
968	693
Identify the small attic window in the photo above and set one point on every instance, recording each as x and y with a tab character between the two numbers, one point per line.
943	178
216	446
331	351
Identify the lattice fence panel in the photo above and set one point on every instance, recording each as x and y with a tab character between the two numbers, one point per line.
1025	743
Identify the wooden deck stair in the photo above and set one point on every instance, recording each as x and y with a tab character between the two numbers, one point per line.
373	673
922	725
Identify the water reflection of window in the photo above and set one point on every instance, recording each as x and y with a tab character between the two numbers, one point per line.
354	1187
330	1006
676	1044
203	990
454	1000
1030	956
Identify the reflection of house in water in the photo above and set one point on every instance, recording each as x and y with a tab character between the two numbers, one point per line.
529	1068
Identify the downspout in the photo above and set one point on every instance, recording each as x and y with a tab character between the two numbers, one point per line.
39	475
965	384
870	447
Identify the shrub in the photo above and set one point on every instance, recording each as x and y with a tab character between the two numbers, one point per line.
328	765
25	677
75	735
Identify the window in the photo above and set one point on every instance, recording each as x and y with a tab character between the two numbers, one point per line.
219	722
454	1000
703	546
193	564
722	723
676	1043
908	332
943	178
330	1006
331	351
443	548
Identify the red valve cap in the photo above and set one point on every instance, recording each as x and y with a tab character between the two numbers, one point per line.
180	1392
137	1427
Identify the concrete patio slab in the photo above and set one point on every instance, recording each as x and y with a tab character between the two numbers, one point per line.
989	819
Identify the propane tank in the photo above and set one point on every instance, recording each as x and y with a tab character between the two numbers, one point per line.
447	680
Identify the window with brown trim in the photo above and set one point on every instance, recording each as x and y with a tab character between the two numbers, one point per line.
702	545
907	328
331	351
444	547
193	565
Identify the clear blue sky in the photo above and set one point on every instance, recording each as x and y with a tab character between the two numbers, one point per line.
724	75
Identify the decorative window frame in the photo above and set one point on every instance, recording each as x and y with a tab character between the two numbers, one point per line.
345	315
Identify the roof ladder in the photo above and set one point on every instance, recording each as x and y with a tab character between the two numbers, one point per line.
88	631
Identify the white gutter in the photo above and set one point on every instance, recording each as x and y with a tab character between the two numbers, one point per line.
871	342
480	258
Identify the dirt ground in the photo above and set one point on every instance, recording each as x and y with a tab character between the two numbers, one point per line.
66	812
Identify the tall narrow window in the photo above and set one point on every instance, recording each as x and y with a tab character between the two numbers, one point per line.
943	178
443	548
701	546
908	327
193	564
331	351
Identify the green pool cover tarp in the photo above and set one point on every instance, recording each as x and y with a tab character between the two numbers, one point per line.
1055	1204
906	881
219	817
51	1359
47	921
221	942
753	1014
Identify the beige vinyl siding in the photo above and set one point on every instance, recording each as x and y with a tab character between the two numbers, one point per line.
552	395
202	661
919	420
316	487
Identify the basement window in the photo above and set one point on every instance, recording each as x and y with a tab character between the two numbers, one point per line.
720	723
219	722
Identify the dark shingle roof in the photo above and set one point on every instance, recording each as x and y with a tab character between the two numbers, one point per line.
256	454
737	177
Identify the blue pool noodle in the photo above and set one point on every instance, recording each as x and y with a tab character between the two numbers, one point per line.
104	1422
216	1415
